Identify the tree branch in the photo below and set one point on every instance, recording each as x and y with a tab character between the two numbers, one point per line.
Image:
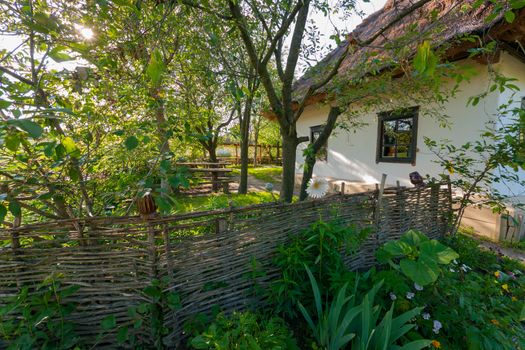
261	67
287	22
209	11
17	76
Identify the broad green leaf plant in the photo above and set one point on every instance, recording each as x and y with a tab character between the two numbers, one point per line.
417	256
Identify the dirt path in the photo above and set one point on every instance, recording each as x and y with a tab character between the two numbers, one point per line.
509	252
256	185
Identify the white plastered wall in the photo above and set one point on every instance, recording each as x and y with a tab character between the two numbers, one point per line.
352	155
511	67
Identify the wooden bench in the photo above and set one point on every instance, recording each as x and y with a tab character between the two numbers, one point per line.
217	175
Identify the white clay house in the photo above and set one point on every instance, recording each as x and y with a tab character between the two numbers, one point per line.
394	144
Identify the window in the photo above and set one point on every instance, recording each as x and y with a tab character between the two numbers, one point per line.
397	136
315	132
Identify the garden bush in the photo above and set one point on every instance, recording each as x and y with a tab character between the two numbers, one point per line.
245	330
469	298
476	301
36	317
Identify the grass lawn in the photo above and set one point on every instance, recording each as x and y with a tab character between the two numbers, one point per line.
219	201
269	173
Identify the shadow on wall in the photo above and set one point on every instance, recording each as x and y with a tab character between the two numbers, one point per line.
340	167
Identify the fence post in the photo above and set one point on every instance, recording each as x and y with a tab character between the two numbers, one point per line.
15	246
434	205
221	225
380	200
152	252
400	209
377	210
156	307
450	215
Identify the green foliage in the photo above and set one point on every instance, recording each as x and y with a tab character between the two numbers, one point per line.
375	334
245	331
477	299
419	257
425	61
145	318
155	67
37	317
267	173
342	322
220	201
319	248
332	327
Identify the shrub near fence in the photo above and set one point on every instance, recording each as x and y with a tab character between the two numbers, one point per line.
206	257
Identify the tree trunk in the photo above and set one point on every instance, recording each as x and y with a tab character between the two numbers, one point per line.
308	170
256	140
213	153
311	157
162	125
245	143
288	174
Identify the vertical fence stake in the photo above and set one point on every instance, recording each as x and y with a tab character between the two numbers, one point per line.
15	246
156	310
400	210
343	187
380	200
450	214
434	204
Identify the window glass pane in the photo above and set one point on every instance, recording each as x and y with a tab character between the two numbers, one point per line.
403	151
389	152
389	126
404	124
315	132
389	133
404	138
397	135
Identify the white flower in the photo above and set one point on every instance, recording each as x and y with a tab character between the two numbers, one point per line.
426	316
437	326
317	188
452	270
418	287
465	268
410	295
392	296
455	262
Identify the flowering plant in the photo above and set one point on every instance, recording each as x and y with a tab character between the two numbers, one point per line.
317	187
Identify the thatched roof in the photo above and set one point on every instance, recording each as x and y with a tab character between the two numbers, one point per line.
454	19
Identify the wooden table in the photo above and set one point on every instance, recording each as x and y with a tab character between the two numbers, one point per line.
204	164
215	173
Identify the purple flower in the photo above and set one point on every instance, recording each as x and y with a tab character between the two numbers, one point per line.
426	316
392	296
410	295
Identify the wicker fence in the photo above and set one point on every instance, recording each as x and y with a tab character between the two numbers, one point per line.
205	256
